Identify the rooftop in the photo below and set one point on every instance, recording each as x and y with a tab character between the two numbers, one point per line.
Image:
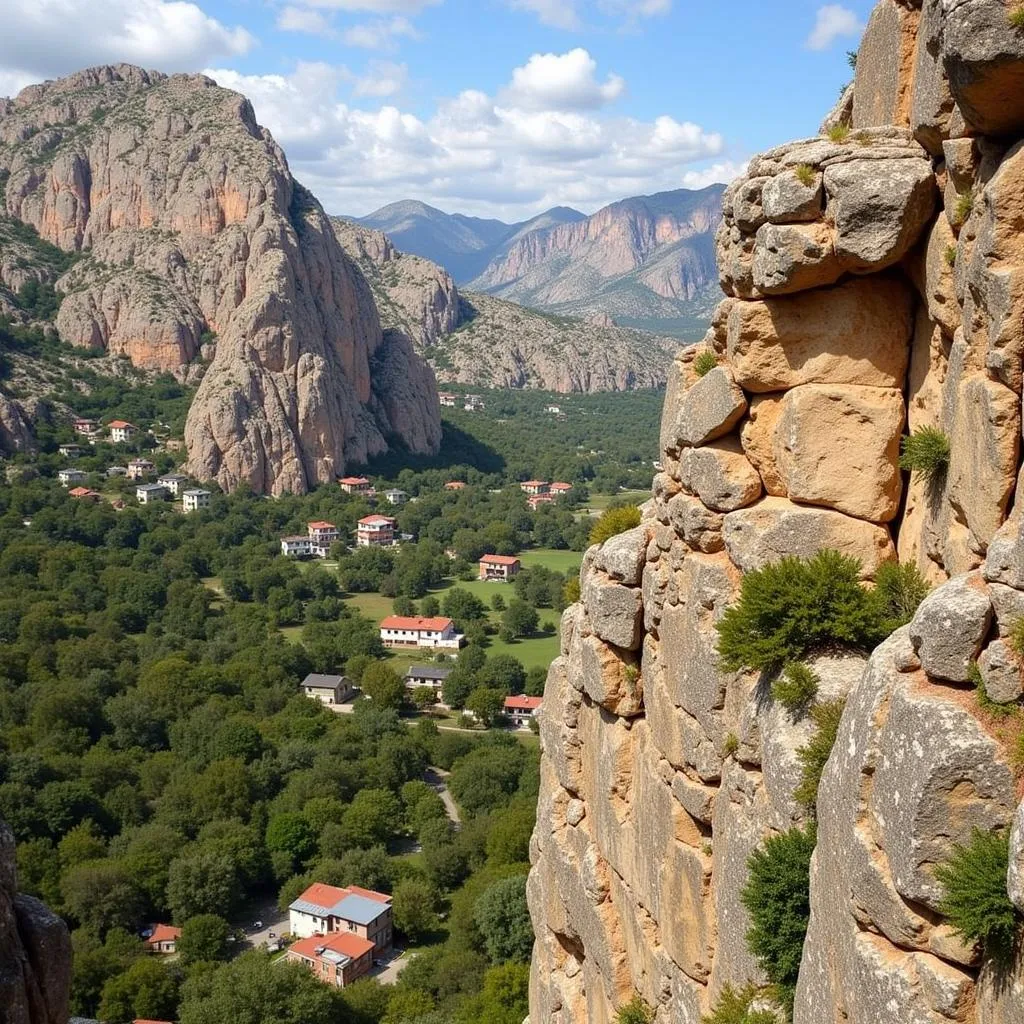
164	933
436	624
151	487
339	948
195	491
353	480
329	900
320	524
120	424
523	703
376	520
500	559
322	681
427	672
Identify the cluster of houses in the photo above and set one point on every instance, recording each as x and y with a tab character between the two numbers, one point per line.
471	403
541	492
375	531
170	485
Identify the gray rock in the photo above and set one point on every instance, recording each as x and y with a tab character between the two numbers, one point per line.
710	409
1000	669
1015	876
983	56
932	103
794	257
788	200
841	113
721	476
696	524
883	70
1005	558
622	556
949	626
747	212
614	611
1008	604
880	209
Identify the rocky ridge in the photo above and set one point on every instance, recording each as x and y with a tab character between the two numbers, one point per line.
201	255
482	341
873	281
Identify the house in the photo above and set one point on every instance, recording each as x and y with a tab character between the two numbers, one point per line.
146	494
473	403
535	487
455	485
427	675
500	568
555	410
121	431
321	536
85	427
139	468
84	493
337	959
536	500
446	398
67	477
415	631
559	488
396	497
375	531
113	471
521	709
325	909
327	689
70	451
174	444
194	499
174	482
298	546
162	938
354	484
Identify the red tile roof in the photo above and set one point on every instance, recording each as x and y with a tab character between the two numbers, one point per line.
321	525
353	480
454	485
523	703
120	424
164	933
346	943
561	486
437	624
323	895
380	897
82	492
533	483
500	560
371	520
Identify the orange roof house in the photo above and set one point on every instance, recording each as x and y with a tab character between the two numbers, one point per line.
163	938
499	567
337	959
415	631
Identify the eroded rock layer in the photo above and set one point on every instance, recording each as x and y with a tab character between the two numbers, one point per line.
201	254
873	282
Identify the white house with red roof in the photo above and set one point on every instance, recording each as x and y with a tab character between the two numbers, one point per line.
325	909
560	488
375	532
337	959
520	708
499	568
354	485
416	631
162	938
321	536
121	431
535	487
536	500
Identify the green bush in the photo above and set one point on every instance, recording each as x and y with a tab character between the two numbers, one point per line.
826	717
899	589
839	132
1016	637
795	606
614	521
777	897
704	363
975	900
796	688
964	207
636	1011
926	451
733	1007
805	174
950	255
1016	16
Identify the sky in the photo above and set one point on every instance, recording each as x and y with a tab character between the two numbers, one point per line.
495	108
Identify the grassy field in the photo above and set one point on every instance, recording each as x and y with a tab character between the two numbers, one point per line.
599	502
559	561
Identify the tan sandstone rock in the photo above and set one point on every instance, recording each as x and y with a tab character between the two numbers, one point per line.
885	66
758	439
720	475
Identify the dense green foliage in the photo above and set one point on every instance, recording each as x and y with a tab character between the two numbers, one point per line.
705	363
975	900
899	589
926	452
636	1011
826	717
796	688
613	521
796	606
733	1007
777	897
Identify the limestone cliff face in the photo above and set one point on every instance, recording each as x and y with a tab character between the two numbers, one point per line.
35	952
194	231
874	283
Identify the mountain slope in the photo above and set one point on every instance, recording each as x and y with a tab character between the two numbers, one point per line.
200	254
646	258
464	246
483	341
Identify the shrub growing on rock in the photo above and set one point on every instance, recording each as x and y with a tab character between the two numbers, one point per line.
975	901
614	521
926	451
733	1007
1016	16
704	363
839	132
826	717
794	606
899	589
777	897
796	688
805	174
636	1011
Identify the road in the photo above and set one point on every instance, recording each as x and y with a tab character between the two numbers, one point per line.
272	920
435	778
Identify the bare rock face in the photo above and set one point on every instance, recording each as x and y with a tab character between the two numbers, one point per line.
35	952
15	432
194	229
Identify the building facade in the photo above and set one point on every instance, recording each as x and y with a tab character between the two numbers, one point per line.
174	482
146	494
334	959
520	709
433	676
499	568
354	484
325	909
121	431
195	499
297	546
414	631
535	487
139	469
327	689
71	477
375	531
321	536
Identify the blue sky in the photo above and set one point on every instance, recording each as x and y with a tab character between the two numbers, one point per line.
496	108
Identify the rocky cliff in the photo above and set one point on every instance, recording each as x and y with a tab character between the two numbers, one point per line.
35	952
479	340
647	258
202	255
874	283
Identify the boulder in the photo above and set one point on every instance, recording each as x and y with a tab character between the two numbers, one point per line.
880	208
758	440
709	410
983	56
675	388
622	557
746	203
794	258
614	611
1001	671
839	446
855	333
935	277
695	523
949	626
720	475
1015	876
885	66
793	197
931	106
608	679
775	527
1005	560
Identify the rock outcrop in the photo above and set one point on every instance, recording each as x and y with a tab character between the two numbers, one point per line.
476	339
35	952
873	286
200	248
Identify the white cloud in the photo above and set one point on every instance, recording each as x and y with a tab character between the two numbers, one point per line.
382	78
833	22
380	34
297	19
556	13
561	82
47	38
505	155
374	6
570	14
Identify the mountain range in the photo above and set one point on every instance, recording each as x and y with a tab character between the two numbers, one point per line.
648	261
